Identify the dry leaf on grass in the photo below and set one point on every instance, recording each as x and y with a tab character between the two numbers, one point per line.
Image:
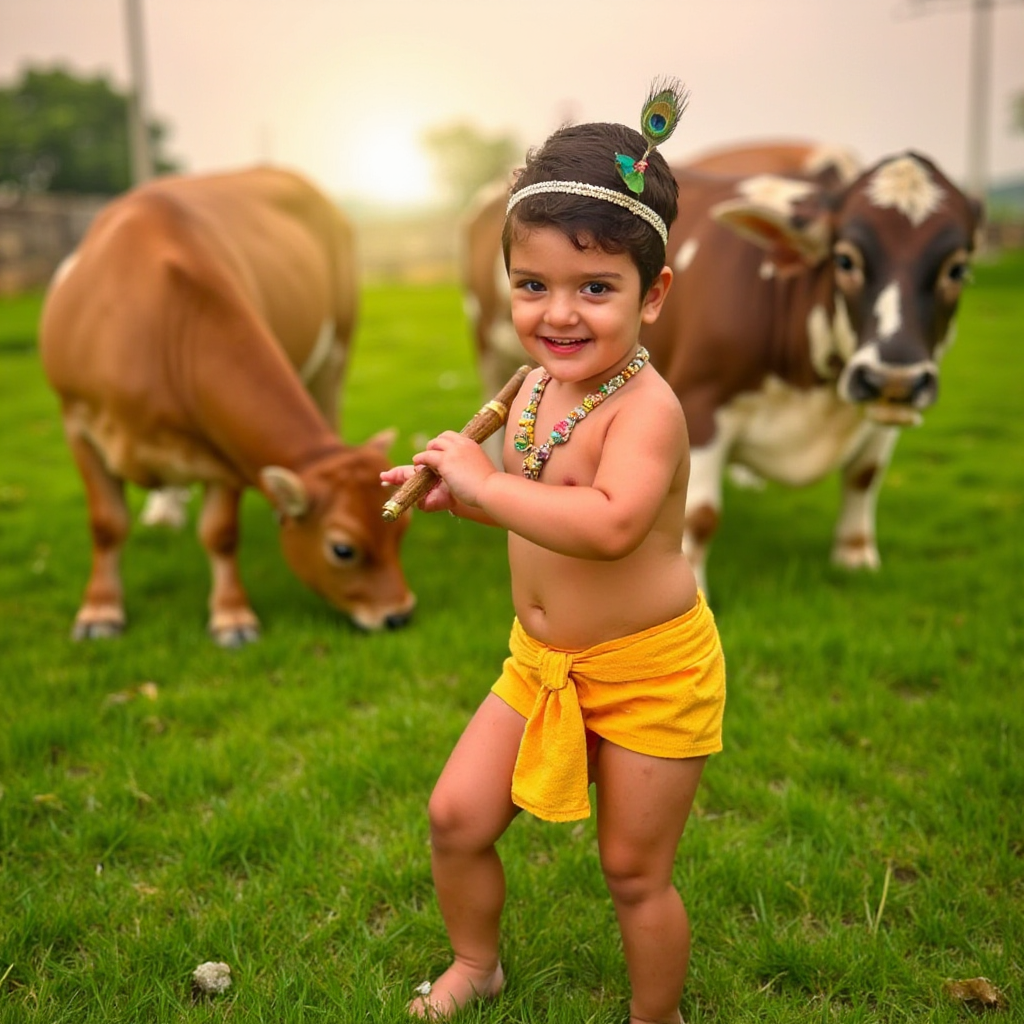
148	690
976	990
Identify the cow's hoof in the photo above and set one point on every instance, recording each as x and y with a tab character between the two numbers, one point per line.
856	555
231	637
102	630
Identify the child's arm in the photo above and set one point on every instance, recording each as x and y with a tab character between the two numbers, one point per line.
643	448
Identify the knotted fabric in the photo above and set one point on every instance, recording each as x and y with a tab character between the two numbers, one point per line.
658	692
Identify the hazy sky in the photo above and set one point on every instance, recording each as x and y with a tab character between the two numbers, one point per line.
342	89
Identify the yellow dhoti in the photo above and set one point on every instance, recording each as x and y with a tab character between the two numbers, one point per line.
659	692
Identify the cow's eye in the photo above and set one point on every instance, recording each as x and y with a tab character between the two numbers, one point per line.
344	554
960	272
844	262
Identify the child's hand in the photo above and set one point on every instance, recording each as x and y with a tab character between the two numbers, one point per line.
437	499
461	462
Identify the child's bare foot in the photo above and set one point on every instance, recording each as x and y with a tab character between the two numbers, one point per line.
456	988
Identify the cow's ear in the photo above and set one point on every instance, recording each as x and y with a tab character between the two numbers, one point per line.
286	491
384	439
789	221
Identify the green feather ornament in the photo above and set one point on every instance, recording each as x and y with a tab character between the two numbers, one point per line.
662	110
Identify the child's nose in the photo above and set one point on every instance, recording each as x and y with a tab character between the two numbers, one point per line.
562	309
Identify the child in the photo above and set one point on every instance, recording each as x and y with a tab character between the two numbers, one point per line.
616	673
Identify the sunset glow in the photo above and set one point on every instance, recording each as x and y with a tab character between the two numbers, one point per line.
387	168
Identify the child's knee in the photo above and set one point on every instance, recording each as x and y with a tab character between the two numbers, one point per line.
455	824
631	879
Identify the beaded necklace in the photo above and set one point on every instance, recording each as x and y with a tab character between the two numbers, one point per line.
537	455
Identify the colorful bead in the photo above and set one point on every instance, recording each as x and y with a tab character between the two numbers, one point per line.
537	455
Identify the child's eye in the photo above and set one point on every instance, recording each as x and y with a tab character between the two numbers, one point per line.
530	286
596	288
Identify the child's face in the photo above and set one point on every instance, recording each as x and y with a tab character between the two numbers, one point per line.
576	313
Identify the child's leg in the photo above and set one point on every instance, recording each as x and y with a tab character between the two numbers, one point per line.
643	803
470	808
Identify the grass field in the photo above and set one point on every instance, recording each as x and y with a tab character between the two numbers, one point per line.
163	802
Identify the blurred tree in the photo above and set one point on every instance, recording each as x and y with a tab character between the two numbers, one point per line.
465	159
62	133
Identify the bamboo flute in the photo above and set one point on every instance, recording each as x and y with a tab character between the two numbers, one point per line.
490	417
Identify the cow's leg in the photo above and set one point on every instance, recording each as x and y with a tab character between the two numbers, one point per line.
232	622
704	504
102	610
854	546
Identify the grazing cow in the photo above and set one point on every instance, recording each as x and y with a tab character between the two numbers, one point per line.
806	351
172	337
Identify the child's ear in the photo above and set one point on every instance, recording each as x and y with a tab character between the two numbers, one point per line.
655	297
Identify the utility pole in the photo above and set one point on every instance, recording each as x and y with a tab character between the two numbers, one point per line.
979	92
979	97
138	133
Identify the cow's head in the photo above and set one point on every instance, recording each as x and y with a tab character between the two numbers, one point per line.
889	254
334	538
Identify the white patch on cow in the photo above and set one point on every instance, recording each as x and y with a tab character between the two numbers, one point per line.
66	266
773	192
904	183
745	478
845	338
707	466
844	161
822	341
166	507
685	255
888	315
321	350
946	343
791	435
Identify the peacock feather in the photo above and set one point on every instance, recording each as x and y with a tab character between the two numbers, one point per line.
662	110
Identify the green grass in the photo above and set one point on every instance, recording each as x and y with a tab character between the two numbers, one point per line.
860	840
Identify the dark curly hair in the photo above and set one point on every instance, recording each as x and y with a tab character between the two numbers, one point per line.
586	152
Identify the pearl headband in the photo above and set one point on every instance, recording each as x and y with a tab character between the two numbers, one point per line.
581	188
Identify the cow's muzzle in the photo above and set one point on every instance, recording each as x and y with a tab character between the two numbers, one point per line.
396	620
894	394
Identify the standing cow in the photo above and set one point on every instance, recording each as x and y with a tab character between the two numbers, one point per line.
171	337
806	351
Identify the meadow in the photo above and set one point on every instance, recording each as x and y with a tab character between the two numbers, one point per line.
858	845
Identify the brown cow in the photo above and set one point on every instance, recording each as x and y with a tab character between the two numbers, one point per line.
804	352
170	336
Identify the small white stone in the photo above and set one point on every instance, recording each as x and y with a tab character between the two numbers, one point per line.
214	977
423	989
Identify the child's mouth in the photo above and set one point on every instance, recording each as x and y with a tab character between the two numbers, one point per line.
565	343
